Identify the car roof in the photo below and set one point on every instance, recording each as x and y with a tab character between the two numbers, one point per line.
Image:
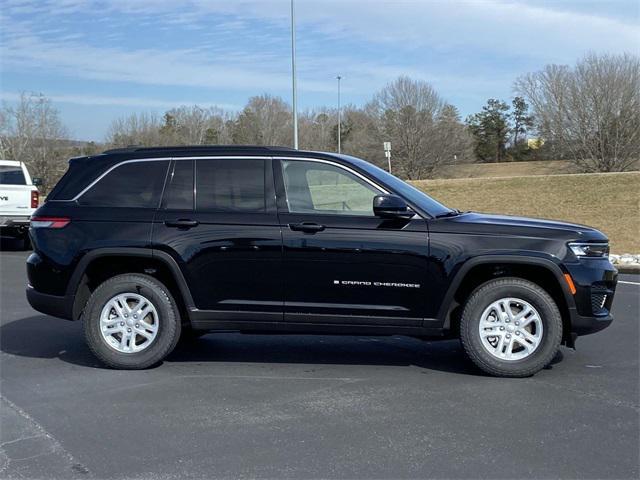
196	150
117	155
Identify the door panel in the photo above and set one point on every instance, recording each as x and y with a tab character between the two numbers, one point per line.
350	269
229	246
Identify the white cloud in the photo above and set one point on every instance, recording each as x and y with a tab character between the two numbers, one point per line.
470	50
101	100
497	25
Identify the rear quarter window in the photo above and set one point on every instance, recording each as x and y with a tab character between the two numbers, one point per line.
135	184
10	175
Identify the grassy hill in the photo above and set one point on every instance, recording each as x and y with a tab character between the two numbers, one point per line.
607	201
509	169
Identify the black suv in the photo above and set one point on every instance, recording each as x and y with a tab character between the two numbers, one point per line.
146	245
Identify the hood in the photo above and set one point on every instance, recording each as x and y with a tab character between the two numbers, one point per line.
482	223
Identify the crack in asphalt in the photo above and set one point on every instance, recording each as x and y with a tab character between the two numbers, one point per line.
50	446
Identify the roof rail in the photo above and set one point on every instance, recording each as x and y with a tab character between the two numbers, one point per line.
257	148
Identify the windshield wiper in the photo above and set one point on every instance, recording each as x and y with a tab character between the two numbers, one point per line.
453	213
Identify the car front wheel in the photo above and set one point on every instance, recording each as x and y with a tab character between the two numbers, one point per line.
511	327
131	321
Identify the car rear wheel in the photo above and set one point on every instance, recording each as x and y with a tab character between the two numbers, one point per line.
511	327
131	322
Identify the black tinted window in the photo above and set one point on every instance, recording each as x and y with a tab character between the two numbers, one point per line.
230	185
179	192
11	176
136	184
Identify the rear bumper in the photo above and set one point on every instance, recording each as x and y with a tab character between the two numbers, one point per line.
14	226
18	221
53	305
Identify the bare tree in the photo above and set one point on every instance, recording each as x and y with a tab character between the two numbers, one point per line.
591	112
362	136
137	129
451	142
318	129
32	132
195	125
266	120
411	115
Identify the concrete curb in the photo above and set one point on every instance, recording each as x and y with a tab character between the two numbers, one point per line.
628	268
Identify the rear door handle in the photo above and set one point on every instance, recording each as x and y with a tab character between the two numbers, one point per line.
308	227
182	223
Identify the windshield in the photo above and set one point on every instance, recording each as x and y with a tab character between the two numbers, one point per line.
404	189
10	175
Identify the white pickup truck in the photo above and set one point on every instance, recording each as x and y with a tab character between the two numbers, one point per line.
19	198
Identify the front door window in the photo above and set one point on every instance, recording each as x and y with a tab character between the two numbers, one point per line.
321	188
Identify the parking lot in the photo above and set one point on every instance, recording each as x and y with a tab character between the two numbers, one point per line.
245	406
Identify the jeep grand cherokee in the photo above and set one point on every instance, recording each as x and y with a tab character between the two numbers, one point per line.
144	245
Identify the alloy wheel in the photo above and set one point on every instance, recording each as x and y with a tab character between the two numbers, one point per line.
129	323
510	329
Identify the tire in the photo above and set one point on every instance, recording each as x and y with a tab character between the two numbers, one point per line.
163	321
24	242
484	347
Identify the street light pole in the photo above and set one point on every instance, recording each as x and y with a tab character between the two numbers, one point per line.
339	115
293	75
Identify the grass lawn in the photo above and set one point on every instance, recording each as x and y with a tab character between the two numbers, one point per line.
609	202
510	169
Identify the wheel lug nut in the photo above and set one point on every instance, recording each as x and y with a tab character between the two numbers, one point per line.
137	326
135	316
129	330
517	333
126	315
517	323
122	324
508	336
501	328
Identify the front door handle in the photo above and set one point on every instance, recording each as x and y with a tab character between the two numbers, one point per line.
308	227
182	223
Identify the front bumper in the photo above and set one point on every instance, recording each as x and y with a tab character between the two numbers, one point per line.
595	281
54	305
585	325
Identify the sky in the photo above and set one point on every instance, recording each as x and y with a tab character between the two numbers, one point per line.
98	60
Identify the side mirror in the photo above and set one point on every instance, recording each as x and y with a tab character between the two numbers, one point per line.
391	206
36	181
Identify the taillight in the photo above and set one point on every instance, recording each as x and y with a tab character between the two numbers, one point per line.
35	197
49	222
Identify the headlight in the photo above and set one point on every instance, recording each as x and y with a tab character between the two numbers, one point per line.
589	250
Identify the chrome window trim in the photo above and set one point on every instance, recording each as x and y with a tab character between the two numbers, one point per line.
223	157
156	159
339	165
109	170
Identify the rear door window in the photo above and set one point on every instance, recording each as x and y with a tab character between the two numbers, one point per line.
179	191
134	185
233	185
11	175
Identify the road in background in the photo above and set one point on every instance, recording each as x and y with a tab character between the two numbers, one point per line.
303	406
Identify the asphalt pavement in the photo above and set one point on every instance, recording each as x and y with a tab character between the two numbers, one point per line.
258	406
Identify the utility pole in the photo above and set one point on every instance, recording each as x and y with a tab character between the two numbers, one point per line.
293	75
339	114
